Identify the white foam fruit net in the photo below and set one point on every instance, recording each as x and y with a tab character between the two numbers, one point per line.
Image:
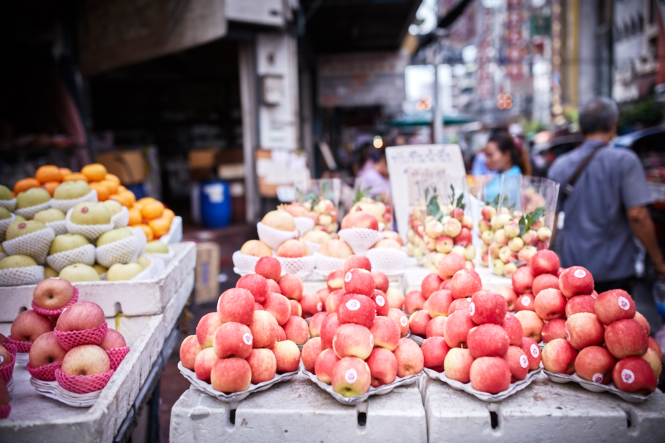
2	255
84	254
66	205
303	224
91	232
166	258
36	244
313	247
300	266
4	224
328	264
274	237
9	204
151	271
30	275
59	227
387	260
121	219
244	262
360	239
122	251
28	212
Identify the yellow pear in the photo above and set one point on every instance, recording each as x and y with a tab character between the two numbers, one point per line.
79	272
18	228
32	197
120	272
49	215
90	214
71	190
17	261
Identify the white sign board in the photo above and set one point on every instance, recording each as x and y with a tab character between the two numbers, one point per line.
402	158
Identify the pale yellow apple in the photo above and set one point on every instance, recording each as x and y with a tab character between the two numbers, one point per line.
99	268
4	213
32	197
67	242
5	193
157	247
49	215
79	272
49	272
119	272
316	236
143	261
18	228
17	261
19	218
113	206
114	235
90	214
71	190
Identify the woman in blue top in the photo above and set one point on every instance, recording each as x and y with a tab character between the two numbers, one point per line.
502	157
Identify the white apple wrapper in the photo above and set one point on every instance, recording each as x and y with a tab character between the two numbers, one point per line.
484	396
84	254
9	204
300	266
327	264
121	219
164	257
360	239
387	260
66	205
4	224
303	224
599	387
313	247
59	227
151	271
122	251
91	232
357	399
28	212
235	396
30	275
274	237
36	244
244	263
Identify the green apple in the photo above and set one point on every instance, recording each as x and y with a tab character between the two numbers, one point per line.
19	228
88	213
19	218
17	261
66	242
144	261
5	193
71	190
119	272
49	272
32	197
114	235
99	268
49	215
79	272
156	247
4	213
113	206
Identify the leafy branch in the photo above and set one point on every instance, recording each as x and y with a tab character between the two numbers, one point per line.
529	219
361	193
459	203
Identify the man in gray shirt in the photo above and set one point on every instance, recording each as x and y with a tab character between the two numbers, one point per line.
608	205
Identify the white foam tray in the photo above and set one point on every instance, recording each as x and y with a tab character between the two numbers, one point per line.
599	387
147	297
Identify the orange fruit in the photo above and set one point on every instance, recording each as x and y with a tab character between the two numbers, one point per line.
75	176
94	172
159	227
103	193
135	217
122	188
48	173
110	185
146	200
50	187
113	178
25	184
148	231
125	198
152	210
168	215
64	171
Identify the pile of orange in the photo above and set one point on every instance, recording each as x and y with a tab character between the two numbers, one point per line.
147	213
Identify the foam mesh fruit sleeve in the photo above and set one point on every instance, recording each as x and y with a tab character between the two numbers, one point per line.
71	339
35	244
66	205
84	254
44	373
30	275
83	384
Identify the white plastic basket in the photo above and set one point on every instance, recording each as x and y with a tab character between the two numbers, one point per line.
245	263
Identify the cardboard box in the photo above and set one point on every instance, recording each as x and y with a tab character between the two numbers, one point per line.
207	270
202	158
129	166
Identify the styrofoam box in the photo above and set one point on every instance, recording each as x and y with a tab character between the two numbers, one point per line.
544	412
299	411
147	297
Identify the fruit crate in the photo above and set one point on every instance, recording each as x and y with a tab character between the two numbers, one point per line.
299	411
544	409
146	297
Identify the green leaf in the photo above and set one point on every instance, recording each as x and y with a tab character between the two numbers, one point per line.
523	223
426	194
433	207
324	187
452	190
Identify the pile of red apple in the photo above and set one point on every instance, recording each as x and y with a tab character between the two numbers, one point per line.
323	213
358	342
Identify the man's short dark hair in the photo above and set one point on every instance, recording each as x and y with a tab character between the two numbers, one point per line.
598	116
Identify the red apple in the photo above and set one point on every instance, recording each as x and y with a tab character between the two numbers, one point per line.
449	265
281	335
324	364
87	360
206	328
544	262
430	284
358	309
255	284
583	330
360	219
559	357
457	365
643	321
259	306
322	294
44	351
112	340
311	304
445	285
359	281
579	304
544	281
488	340
386	333
380	303
457	328
487	307
532	325
409	357
576	280
656	363
262	364
418	323
513	328
554	329
439	302
436	327
232	340
525	302
461	304
231	375
626	338
287	356
333	300
532	351
522	280
279	306
297	330
357	262
550	304
397	315
380	281
335	280
395	298
315	324
236	305
351	376
595	364
328	329
414	301
656	348
353	340
518	363
296	309
613	305
434	351
264	329
382	366
80	316
510	296
53	293
29	325
189	349
465	283
291	286
634	375
310	352
273	286
269	268
490	374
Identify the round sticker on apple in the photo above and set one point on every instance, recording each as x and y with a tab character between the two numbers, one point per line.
351	376
534	350
580	273
472	308
524	362
597	378
627	376
624	303
380	300
353	305
404	321
347	277
247	338
526	301
319	306
567	335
